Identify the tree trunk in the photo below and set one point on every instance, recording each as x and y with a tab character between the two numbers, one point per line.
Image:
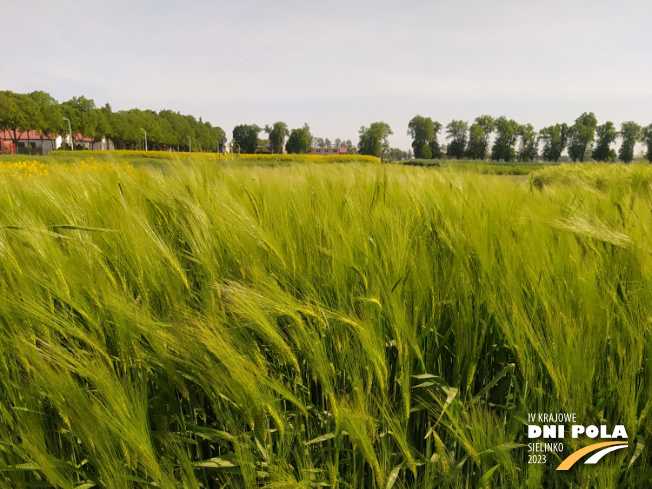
16	137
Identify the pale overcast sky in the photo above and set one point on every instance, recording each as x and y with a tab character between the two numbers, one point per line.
338	64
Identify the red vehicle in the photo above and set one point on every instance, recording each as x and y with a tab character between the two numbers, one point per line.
7	148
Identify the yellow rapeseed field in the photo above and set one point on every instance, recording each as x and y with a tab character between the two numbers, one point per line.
270	158
22	169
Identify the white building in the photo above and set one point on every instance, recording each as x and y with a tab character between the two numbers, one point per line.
29	142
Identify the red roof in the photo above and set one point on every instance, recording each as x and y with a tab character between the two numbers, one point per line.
33	135
78	137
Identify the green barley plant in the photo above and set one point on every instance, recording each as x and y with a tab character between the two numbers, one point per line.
193	325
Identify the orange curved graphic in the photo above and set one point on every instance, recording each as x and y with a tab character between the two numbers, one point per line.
574	457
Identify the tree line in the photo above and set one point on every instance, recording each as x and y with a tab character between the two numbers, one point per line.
39	111
582	140
498	139
299	141
373	140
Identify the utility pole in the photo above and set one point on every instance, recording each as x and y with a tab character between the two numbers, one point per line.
72	143
145	138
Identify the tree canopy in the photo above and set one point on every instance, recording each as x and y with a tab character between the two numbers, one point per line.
246	137
277	134
18	114
299	141
606	134
374	139
630	132
554	140
646	137
479	133
40	112
422	131
49	119
456	132
581	135
529	147
435	148
507	132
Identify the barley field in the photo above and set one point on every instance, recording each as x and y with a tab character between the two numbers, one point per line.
202	324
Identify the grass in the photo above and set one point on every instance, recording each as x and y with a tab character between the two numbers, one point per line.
601	177
345	325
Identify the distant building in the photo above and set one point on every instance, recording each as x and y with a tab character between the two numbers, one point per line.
30	142
327	151
90	143
99	144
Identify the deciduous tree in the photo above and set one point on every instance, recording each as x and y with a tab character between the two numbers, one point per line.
350	147
277	134
581	135
456	131
421	129
529	147
630	132
181	126
246	136
82	115
646	137
606	134
18	114
299	141
507	132
435	148
396	154
479	133
554	140
49	120
374	139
